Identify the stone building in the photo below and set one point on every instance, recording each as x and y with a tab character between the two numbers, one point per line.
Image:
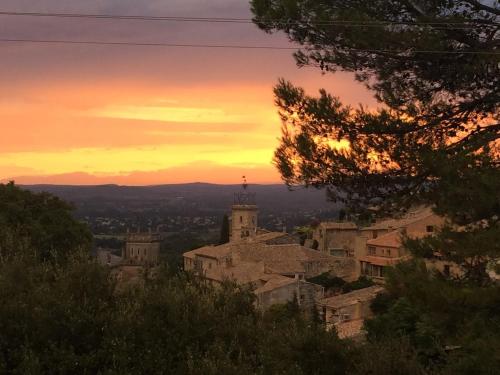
280	290
273	263
347	312
375	247
243	222
142	249
278	273
336	239
381	245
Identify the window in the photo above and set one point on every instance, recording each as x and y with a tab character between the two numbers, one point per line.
374	234
241	219
388	252
429	228
372	250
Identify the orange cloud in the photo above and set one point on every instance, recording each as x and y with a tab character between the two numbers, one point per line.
106	130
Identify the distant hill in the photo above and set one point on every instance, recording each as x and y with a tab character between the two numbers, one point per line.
203	196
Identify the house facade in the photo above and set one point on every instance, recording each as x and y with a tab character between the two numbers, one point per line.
336	239
346	313
142	249
381	245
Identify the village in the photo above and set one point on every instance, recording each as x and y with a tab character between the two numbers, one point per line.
282	267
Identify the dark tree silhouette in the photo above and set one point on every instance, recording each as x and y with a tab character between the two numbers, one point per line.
224	231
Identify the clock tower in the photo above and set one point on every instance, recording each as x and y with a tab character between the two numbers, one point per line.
244	214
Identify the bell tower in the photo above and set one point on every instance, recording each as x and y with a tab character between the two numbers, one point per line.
244	214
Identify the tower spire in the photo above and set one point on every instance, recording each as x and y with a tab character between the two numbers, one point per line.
244	214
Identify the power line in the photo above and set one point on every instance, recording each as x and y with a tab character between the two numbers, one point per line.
224	46
446	24
142	44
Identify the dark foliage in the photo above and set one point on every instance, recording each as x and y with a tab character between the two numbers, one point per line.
224	231
39	225
433	65
439	124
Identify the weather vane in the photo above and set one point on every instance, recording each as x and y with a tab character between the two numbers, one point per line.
244	197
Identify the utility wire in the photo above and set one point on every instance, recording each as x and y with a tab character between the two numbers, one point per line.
445	24
143	44
225	46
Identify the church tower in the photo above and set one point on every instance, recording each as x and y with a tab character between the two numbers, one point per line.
244	214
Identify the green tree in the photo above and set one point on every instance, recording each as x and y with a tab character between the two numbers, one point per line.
433	66
433	314
38	225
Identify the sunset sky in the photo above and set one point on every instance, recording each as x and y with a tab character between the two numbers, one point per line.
78	114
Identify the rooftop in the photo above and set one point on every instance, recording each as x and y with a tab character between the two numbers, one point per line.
224	250
243	273
275	282
283	258
391	239
216	252
402	222
352	298
264	237
339	226
383	260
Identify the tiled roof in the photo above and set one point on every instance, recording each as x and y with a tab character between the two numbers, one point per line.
210	251
221	251
340	226
275	283
283	258
383	261
266	237
391	239
271	259
352	298
409	218
242	273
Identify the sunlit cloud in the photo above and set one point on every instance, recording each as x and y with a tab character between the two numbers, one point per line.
168	114
147	158
140	115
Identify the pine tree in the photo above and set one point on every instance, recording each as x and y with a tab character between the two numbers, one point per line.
224	231
434	67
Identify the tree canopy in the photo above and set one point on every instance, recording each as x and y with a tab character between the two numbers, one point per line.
39	225
433	65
